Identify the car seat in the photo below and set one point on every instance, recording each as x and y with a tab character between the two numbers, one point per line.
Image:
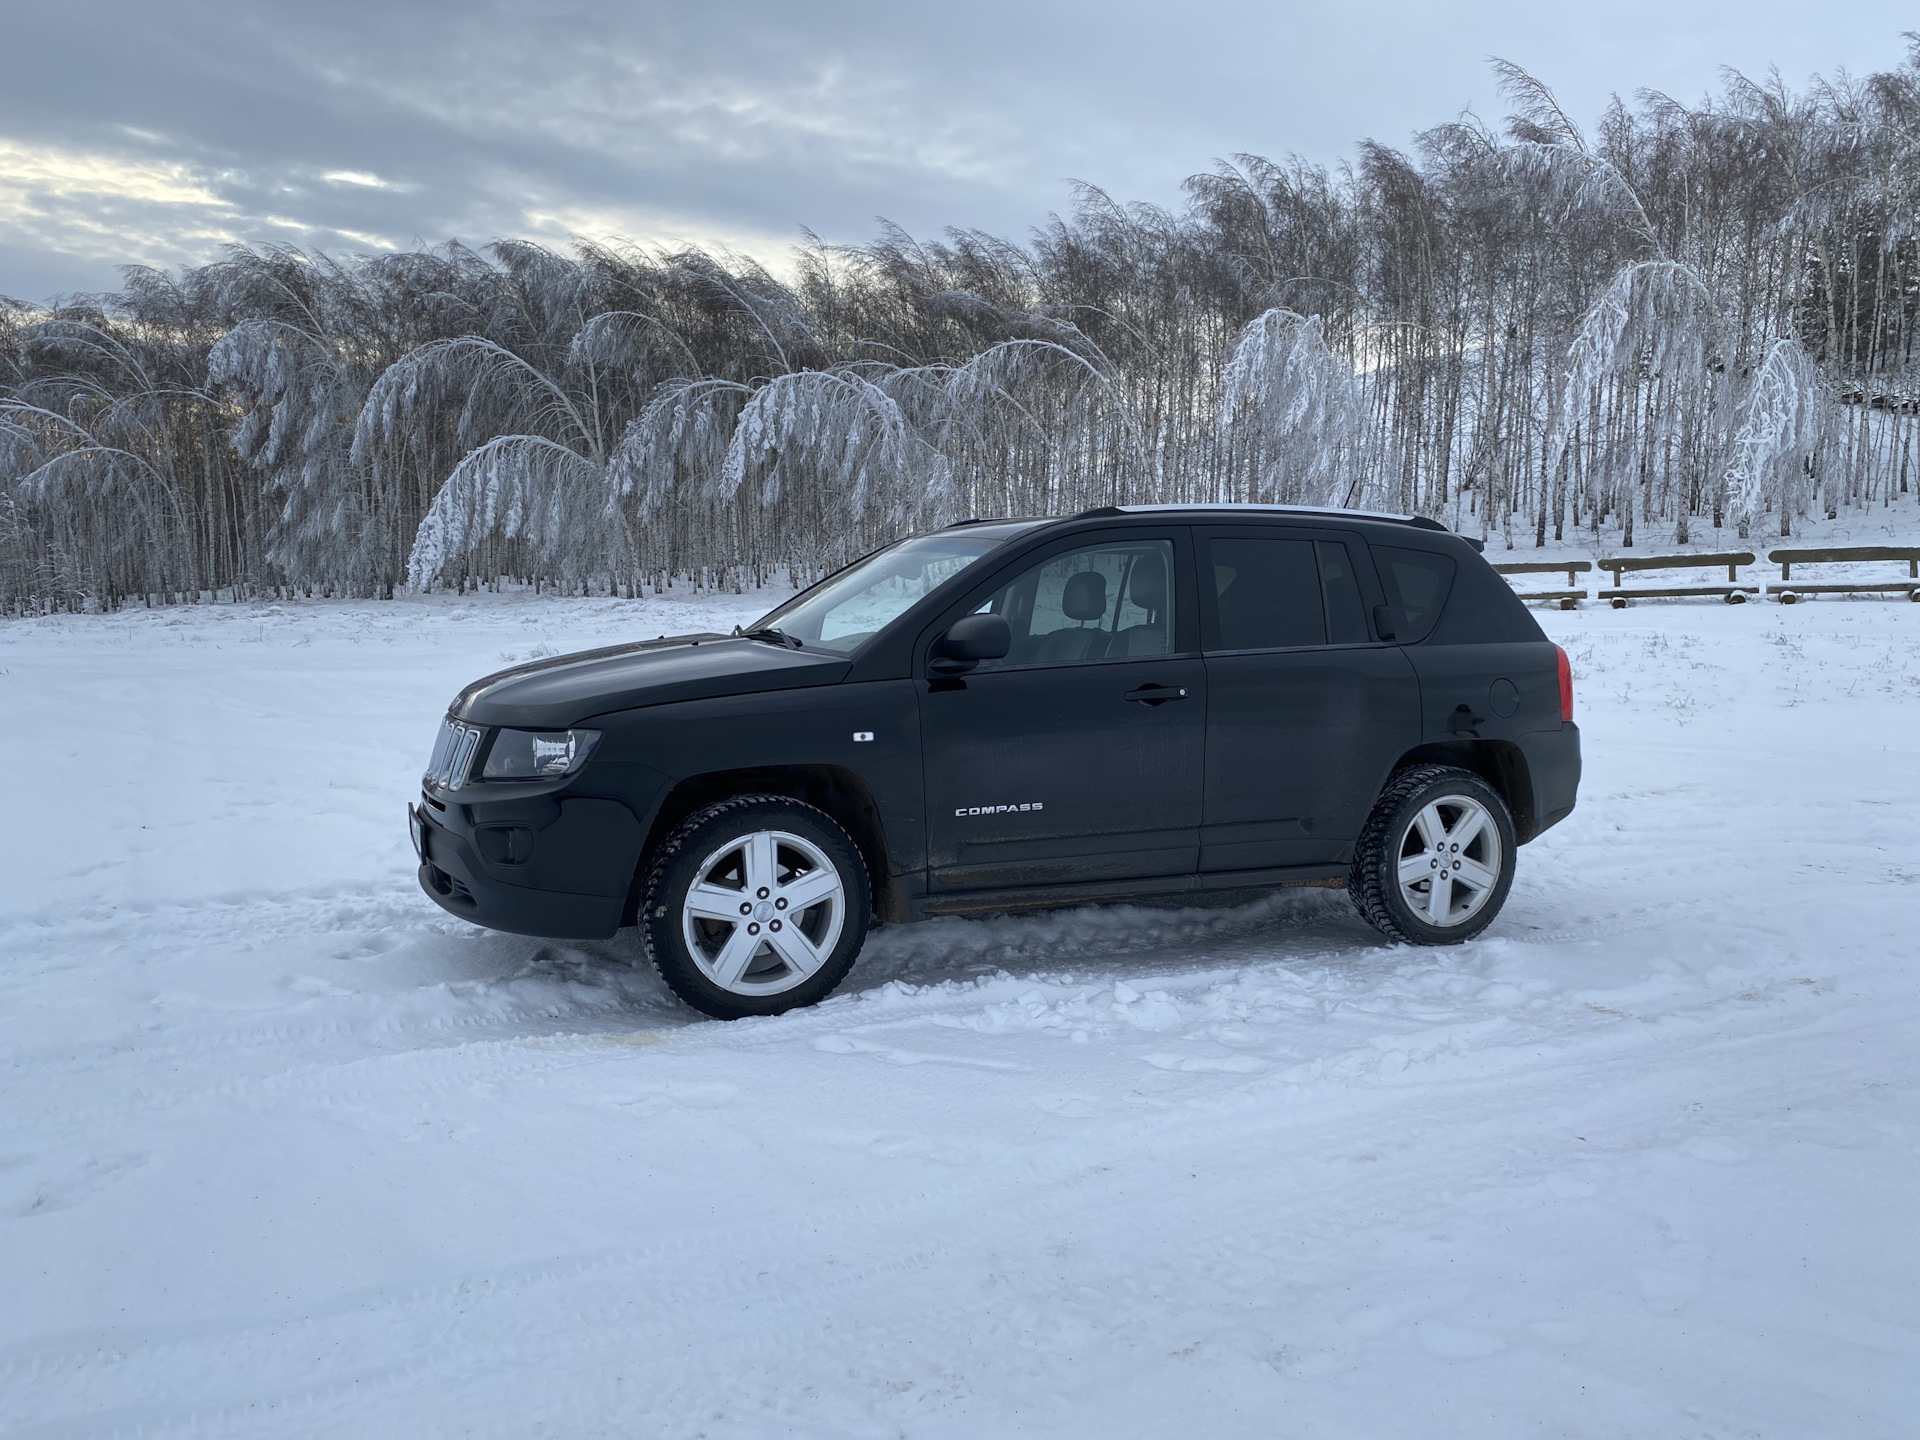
1084	599
1147	589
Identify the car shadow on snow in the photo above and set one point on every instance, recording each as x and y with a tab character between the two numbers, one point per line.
609	984
1119	940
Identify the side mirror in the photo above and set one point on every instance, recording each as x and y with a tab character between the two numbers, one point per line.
1383	621
971	639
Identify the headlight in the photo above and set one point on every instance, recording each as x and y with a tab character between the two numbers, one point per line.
538	754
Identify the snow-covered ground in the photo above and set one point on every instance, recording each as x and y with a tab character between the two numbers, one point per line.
287	1152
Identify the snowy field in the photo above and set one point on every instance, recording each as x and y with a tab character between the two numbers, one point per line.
288	1152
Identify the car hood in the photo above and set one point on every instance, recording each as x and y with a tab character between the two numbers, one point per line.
564	690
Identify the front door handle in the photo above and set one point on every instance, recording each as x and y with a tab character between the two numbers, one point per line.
1156	694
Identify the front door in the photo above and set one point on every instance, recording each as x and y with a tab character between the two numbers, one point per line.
1078	757
1308	712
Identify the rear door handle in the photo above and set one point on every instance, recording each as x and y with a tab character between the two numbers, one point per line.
1156	694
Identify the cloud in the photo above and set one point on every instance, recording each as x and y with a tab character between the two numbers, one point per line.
106	207
653	230
362	124
63	174
360	178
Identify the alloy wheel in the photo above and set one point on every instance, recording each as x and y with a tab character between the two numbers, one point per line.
1449	861
764	912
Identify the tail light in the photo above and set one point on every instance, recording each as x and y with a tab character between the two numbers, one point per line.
1566	684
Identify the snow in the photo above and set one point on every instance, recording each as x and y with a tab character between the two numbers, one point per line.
288	1152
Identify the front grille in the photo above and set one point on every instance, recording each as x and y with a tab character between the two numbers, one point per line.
452	757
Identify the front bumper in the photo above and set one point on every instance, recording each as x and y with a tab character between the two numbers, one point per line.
600	836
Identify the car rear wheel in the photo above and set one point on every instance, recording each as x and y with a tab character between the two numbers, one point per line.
754	906
1436	859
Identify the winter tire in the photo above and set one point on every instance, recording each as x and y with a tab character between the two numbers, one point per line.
754	906
1435	861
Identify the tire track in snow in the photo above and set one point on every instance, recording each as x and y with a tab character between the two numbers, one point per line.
655	1280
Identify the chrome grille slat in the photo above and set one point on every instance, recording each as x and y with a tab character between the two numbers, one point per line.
452	758
442	745
463	759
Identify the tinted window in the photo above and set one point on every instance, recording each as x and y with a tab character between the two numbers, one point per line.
1106	602
1267	593
1346	616
1483	610
1417	582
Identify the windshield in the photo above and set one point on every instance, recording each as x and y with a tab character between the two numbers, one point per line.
841	612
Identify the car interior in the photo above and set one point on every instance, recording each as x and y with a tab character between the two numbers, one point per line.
1108	604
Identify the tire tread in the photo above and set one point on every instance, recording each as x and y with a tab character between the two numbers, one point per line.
675	845
1367	877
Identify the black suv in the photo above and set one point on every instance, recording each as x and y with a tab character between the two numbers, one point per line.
1136	702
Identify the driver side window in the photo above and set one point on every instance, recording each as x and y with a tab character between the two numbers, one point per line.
1105	602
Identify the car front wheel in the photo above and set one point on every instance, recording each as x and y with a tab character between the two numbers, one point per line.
754	906
1436	859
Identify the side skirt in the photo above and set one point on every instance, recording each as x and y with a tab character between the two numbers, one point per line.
1200	889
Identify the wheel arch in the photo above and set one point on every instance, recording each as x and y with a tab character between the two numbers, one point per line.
835	789
1501	763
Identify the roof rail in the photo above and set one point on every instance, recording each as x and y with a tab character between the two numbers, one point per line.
1419	522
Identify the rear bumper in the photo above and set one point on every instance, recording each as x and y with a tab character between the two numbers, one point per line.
1553	765
454	877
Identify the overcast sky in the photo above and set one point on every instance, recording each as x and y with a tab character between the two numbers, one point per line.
159	130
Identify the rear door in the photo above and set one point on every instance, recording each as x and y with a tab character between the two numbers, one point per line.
1307	710
1078	758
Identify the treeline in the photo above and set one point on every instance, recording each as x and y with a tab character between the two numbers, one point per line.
1693	317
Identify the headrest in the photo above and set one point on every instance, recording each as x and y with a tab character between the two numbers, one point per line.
1085	597
1147	585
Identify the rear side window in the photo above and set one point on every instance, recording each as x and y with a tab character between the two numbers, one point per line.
1267	593
1417	582
1346	616
1278	594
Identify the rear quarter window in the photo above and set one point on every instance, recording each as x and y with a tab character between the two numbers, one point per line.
1417	583
1483	610
1448	600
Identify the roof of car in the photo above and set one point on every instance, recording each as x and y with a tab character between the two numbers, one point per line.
1004	523
1223	508
1244	508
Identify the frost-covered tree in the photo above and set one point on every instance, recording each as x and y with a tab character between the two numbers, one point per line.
1645	381
1786	420
537	466
1290	412
1521	329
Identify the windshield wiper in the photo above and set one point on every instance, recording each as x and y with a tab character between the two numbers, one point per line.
771	634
